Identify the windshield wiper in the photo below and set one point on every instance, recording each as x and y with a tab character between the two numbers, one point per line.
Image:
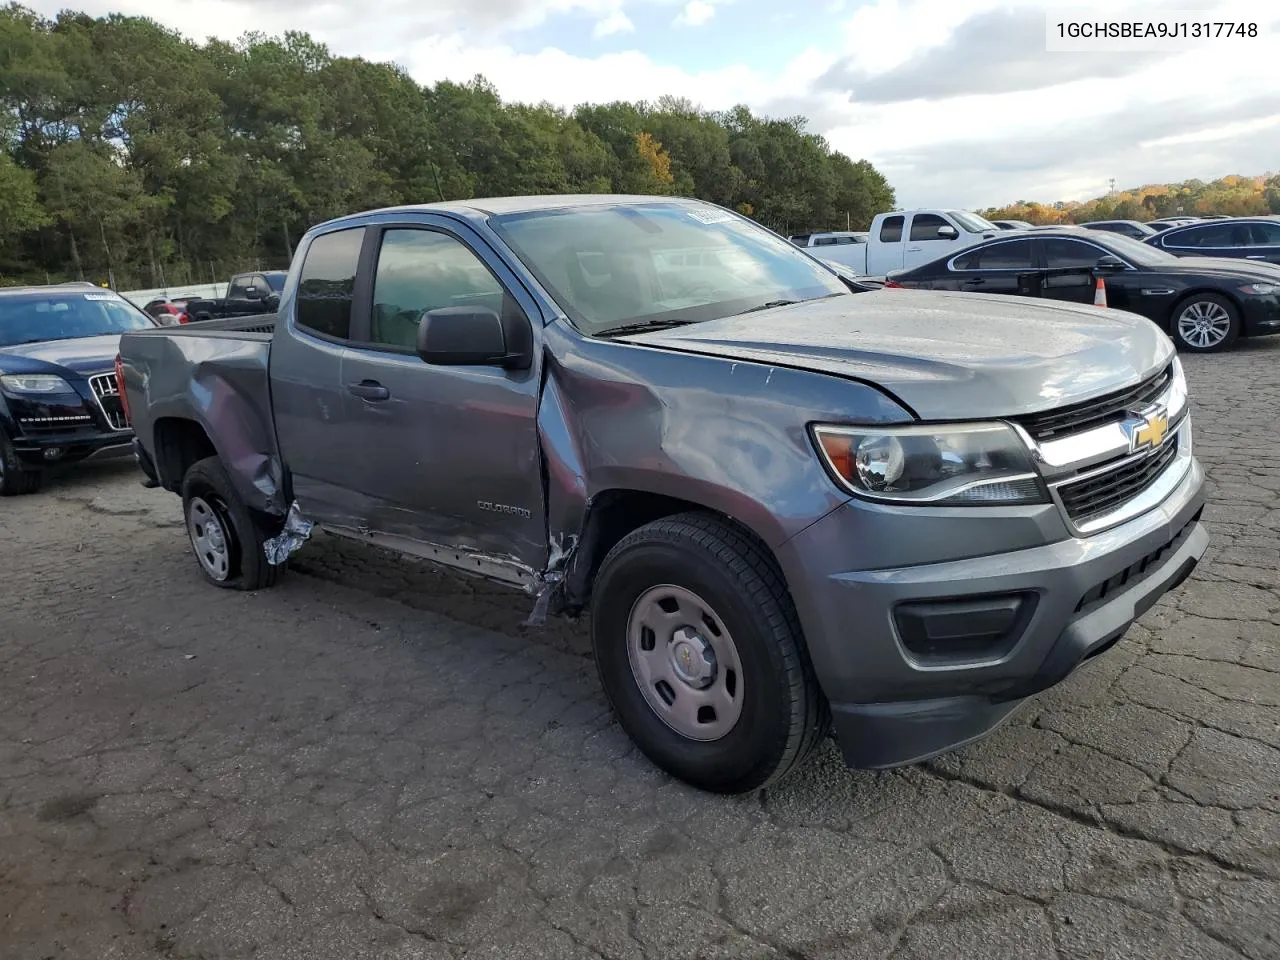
642	326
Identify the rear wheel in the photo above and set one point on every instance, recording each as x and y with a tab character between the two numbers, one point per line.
225	537
1205	323
15	479
701	655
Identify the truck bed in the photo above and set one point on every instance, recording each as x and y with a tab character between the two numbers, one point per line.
207	384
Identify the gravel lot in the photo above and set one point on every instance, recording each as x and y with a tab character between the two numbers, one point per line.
374	760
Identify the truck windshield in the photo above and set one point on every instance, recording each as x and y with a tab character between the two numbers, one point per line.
611	266
972	222
66	316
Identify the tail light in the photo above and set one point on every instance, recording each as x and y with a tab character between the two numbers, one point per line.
183	318
894	284
124	397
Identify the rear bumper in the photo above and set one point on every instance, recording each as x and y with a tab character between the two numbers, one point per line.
920	660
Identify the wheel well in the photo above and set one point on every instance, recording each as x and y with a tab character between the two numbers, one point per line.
179	444
615	513
1177	304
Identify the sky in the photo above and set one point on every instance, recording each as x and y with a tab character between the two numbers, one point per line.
958	102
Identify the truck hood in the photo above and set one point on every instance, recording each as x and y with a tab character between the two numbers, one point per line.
946	356
83	356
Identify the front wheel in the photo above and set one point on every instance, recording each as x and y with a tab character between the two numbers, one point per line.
701	655
226	539
1205	323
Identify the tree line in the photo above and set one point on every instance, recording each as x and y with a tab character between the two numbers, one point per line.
1233	196
137	156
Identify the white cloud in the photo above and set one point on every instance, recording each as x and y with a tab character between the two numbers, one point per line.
695	14
616	22
1174	118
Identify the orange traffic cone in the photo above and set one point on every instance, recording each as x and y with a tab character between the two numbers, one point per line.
1100	294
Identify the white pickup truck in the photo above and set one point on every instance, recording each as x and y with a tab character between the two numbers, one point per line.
900	240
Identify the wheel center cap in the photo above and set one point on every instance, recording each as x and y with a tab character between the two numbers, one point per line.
213	533
692	658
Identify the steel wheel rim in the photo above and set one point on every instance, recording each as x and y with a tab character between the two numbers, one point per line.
1204	323
209	538
685	663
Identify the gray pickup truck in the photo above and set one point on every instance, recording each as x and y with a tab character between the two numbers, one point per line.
788	507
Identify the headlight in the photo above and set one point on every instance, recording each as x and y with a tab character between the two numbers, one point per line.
1177	389
1261	289
35	383
933	464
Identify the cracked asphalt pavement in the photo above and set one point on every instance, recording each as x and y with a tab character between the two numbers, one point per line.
375	760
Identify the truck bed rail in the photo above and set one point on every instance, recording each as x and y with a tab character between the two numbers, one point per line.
260	323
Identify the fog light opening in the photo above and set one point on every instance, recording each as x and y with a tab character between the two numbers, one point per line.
53	453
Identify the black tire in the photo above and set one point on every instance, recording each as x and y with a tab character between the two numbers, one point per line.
15	479
1210	304
207	492
784	714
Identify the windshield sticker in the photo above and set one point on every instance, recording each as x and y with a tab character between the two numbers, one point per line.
711	216
102	296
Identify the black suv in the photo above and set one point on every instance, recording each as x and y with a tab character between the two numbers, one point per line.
59	401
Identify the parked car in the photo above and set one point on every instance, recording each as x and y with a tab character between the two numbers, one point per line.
786	507
1128	228
59	403
167	312
1248	238
903	239
248	294
1166	223
1013	224
1205	304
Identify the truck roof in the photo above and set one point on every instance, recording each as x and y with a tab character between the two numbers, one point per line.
500	206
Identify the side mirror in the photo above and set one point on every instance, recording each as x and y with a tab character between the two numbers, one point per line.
475	337
273	301
1109	263
252	293
948	232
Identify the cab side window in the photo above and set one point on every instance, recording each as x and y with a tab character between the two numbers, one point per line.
326	285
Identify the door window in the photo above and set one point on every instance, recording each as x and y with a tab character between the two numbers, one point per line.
1265	234
891	229
924	226
1009	255
1218	235
1061	253
239	289
421	270
327	283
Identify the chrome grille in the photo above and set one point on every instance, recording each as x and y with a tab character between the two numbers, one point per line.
108	396
1097	412
1101	493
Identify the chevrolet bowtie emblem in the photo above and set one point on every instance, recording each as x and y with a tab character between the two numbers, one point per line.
1147	430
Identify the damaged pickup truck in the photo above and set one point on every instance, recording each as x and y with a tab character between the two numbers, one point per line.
788	507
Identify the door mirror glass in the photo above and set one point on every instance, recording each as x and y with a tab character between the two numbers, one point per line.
1109	263
472	336
947	232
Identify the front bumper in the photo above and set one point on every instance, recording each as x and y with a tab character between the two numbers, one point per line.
919	660
1261	316
52	450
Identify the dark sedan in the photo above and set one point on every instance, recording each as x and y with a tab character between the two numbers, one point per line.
1244	238
59	400
1203	303
1129	228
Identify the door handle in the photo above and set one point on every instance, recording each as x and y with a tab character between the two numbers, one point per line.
913	249
1256	256
369	390
974	282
